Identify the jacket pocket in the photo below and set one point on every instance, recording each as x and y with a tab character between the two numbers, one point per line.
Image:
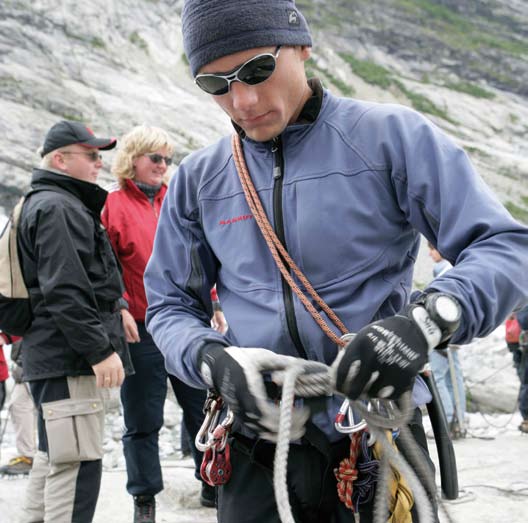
74	428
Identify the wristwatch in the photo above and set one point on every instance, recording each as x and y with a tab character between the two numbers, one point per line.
444	310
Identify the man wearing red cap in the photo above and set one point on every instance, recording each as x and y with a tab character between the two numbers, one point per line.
75	345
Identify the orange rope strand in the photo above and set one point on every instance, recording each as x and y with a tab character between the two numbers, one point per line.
278	250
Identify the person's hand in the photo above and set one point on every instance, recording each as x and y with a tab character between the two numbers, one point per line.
236	373
218	322
109	372
382	360
130	327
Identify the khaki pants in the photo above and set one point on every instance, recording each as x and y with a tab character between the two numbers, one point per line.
24	418
65	479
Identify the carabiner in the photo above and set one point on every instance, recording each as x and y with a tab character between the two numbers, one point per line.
345	412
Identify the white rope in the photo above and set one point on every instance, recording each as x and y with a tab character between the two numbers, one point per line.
377	424
280	465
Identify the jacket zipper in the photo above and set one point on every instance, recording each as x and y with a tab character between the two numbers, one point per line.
278	177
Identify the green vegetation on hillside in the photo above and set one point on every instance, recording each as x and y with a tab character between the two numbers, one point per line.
370	72
519	213
314	70
98	42
482	39
136	39
465	32
375	74
472	89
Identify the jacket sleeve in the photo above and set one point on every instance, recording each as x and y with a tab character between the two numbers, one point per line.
178	281
62	238
446	200
114	236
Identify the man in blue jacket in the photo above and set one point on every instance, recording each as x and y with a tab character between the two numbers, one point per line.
348	187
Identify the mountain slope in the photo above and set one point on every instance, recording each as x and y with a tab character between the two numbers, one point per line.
116	64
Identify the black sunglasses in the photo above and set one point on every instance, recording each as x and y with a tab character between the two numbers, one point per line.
255	71
158	158
93	156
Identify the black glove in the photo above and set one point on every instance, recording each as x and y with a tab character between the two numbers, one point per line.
382	360
236	373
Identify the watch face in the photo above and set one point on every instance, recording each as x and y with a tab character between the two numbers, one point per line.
447	308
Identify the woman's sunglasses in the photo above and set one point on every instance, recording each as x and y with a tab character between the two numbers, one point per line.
255	71
158	158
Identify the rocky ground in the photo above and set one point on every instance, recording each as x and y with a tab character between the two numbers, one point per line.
492	465
116	64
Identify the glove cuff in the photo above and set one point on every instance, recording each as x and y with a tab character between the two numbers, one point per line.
206	359
438	315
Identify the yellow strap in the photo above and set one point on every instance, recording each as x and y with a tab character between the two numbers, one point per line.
401	498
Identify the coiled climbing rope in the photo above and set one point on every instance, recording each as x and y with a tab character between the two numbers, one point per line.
379	424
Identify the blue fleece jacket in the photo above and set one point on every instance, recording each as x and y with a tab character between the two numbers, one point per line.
358	187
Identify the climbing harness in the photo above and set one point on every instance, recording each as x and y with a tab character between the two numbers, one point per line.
211	439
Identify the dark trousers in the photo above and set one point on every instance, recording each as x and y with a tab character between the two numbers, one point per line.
523	376
520	362
143	397
2	394
248	497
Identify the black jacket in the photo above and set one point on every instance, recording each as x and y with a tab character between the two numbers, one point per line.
72	277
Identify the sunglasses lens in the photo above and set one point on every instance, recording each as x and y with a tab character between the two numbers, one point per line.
257	70
212	84
94	156
158	158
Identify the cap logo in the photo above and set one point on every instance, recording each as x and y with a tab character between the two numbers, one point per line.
89	130
293	18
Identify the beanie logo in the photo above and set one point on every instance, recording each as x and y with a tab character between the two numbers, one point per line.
293	18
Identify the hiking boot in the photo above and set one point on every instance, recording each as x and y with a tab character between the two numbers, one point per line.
208	496
523	427
21	465
144	509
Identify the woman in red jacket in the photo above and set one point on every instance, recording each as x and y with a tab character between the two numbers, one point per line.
130	217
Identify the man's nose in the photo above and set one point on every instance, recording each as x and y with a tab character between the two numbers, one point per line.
243	96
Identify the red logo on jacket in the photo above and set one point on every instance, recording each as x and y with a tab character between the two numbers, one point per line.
241	218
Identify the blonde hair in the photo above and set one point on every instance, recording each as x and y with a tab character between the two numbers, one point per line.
45	161
142	139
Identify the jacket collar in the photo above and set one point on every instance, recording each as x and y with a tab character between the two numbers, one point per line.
131	186
90	194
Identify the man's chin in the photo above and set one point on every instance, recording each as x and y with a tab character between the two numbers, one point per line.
263	134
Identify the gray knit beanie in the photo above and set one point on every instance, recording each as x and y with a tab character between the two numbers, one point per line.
215	28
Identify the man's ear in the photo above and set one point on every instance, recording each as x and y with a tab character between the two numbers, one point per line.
306	52
57	161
